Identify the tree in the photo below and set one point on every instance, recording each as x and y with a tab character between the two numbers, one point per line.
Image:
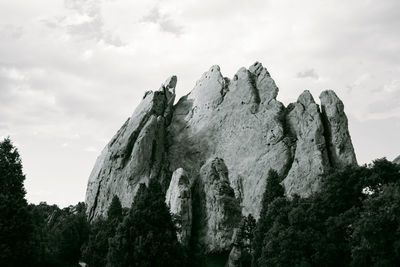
102	230
273	190
244	239
115	209
146	236
354	220
15	220
375	236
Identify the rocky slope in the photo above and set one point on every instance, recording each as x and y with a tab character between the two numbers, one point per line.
212	151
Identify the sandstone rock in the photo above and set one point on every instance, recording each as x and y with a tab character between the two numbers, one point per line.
238	120
310	159
220	210
337	133
179	201
133	156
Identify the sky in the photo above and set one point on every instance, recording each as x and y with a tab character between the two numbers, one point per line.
72	71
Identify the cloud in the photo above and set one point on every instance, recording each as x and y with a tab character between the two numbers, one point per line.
82	66
84	21
164	21
309	73
11	31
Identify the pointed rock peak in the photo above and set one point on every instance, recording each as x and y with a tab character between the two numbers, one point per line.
181	176
170	84
306	98
329	94
329	97
215	68
258	69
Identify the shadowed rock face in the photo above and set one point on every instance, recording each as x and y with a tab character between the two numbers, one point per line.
226	134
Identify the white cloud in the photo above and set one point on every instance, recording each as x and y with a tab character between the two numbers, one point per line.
81	66
309	73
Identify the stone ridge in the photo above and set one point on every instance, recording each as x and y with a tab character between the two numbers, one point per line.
218	143
134	155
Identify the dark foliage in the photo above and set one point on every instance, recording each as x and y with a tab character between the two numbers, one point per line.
354	220
146	236
273	190
101	231
59	234
15	221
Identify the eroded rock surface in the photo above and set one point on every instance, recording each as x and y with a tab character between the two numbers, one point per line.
340	147
133	156
222	126
238	120
220	211
310	158
179	201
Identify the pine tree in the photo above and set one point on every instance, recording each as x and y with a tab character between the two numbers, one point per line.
94	253
146	236
115	209
273	190
15	220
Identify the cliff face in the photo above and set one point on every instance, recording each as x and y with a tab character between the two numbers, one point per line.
218	143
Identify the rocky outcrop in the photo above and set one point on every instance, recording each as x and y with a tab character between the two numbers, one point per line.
220	211
397	160
337	134
310	158
134	155
179	201
223	125
238	120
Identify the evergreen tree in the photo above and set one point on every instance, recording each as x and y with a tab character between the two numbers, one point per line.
244	240
102	230
115	209
146	236
273	190
354	220
15	220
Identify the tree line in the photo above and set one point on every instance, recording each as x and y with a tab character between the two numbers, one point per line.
354	220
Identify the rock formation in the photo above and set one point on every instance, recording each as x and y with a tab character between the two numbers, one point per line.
397	160
179	201
218	210
337	134
310	157
134	155
226	134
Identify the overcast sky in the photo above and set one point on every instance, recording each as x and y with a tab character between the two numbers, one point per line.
72	71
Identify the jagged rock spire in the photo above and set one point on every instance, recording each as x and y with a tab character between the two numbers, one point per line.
222	126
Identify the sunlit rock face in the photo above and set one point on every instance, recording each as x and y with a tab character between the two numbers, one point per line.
179	200
218	211
134	155
216	146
